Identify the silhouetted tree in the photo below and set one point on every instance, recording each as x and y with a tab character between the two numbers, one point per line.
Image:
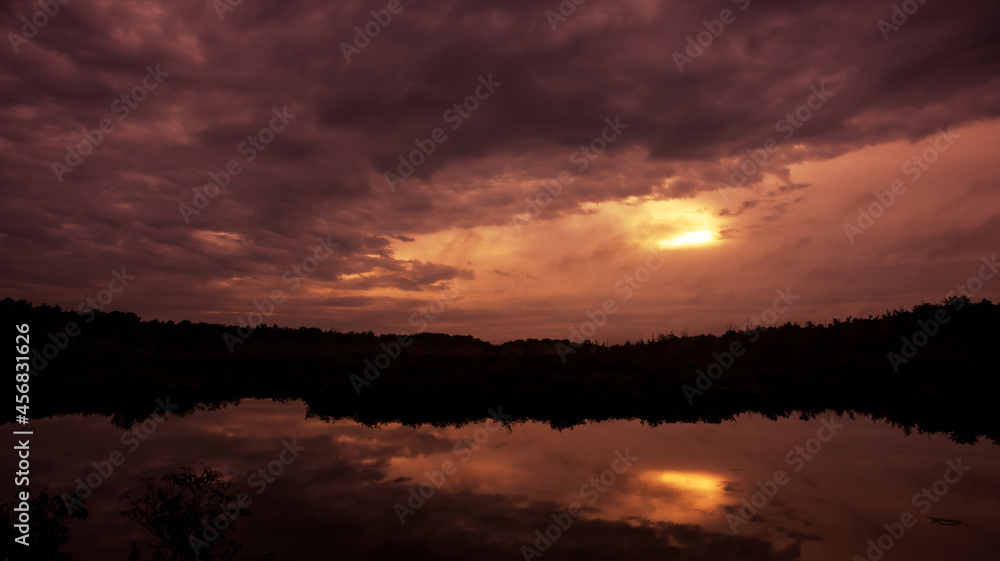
118	365
178	508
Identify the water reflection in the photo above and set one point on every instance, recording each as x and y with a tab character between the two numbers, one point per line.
39	526
493	489
693	492
188	516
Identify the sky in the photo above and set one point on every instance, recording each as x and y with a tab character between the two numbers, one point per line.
502	169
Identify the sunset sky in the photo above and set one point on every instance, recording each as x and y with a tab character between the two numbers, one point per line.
645	129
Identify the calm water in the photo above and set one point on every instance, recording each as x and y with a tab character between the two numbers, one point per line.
669	499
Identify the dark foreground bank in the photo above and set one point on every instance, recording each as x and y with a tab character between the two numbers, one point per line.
932	368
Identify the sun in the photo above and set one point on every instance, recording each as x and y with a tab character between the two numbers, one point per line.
690	238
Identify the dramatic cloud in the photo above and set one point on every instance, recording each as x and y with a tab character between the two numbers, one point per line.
547	153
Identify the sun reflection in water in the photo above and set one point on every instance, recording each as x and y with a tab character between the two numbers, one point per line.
683	492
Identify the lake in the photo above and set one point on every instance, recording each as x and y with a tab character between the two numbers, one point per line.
750	488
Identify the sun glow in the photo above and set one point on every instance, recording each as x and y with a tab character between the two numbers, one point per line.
693	482
695	491
690	238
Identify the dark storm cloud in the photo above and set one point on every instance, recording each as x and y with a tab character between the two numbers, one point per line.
322	175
